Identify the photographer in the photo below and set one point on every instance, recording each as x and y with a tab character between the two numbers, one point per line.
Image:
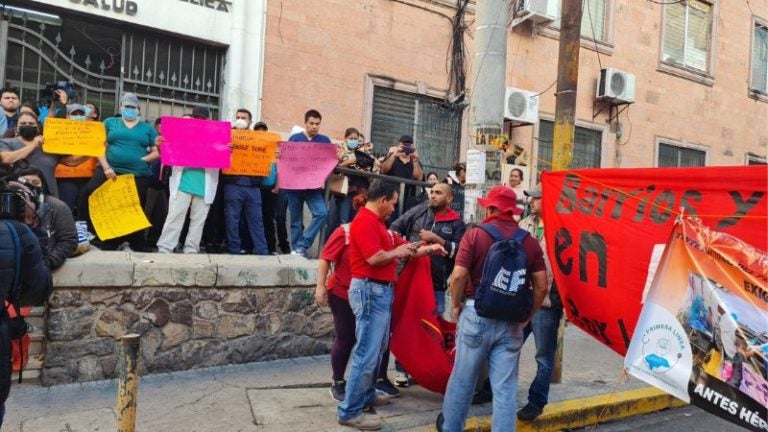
25	279
403	161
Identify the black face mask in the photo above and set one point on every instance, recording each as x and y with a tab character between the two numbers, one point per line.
28	132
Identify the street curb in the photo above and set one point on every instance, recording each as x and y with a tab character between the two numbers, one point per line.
579	413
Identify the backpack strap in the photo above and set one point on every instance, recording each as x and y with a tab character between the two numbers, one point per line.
520	236
492	231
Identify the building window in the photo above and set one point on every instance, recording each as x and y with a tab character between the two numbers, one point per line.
587	146
671	155
434	126
759	81
594	19
755	160
688	35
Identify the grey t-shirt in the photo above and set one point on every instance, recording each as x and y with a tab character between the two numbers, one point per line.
45	162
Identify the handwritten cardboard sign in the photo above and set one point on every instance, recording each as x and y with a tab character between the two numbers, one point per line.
305	165
74	137
196	143
252	152
115	208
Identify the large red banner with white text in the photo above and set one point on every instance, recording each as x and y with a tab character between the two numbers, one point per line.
604	226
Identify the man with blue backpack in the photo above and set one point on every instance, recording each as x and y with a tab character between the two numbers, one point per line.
500	275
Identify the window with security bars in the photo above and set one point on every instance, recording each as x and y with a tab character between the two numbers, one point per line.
759	81
587	146
593	18
687	34
434	127
676	156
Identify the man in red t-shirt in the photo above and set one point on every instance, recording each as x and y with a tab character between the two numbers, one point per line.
480	339
373	256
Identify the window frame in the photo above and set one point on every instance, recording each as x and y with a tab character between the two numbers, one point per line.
753	92
603	129
678	144
703	77
603	46
751	157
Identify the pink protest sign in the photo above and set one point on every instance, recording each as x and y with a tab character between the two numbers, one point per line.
196	143
305	165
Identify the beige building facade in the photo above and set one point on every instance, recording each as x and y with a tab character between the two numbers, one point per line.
383	66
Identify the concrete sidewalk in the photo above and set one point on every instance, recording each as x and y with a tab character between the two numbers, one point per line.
282	395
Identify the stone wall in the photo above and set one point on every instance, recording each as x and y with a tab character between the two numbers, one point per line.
192	311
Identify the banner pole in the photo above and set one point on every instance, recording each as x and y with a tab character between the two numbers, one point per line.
557	368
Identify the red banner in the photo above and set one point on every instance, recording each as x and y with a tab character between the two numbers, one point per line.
605	225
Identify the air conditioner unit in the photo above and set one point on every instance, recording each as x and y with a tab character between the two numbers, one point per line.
616	86
537	11
521	106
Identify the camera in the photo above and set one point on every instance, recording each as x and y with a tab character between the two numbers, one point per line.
12	199
408	150
48	93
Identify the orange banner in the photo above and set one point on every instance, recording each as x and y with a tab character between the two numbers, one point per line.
252	152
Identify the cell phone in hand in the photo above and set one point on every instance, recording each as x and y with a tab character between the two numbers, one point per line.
408	150
415	245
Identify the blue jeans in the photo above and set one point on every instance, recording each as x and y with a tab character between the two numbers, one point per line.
479	340
371	303
302	239
440	301
236	199
544	326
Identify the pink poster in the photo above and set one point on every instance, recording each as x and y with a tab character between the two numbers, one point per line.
305	165
196	143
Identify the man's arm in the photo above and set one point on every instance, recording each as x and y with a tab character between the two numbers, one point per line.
418	172
64	235
386	166
539	280
9	157
382	257
459	281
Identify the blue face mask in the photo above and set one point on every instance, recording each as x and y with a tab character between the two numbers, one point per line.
129	113
352	144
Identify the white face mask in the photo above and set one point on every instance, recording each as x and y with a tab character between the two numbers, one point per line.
240	124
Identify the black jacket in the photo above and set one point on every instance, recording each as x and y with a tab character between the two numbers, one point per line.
448	226
63	240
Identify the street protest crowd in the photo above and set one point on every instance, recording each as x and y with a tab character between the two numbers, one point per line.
370	239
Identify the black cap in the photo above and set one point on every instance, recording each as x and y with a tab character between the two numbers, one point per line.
406	139
200	112
260	126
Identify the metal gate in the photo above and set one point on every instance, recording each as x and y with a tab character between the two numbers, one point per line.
169	75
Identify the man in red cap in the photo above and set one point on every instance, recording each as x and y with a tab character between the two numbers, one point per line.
481	339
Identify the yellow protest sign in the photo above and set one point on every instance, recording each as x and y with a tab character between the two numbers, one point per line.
115	208
252	152
74	137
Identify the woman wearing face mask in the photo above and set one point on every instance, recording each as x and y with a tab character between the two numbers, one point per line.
131	148
28	145
350	156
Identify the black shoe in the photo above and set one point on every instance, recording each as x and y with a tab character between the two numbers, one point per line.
384	386
528	412
483	396
338	390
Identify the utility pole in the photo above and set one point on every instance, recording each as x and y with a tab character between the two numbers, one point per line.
486	110
565	116
567	82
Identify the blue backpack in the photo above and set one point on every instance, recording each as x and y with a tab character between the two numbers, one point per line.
505	291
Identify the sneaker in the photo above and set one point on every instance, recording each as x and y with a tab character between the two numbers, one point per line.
338	390
362	422
299	252
528	412
384	386
402	379
381	400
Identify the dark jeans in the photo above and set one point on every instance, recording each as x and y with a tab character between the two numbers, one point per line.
214	232
273	210
245	200
69	192
344	328
136	240
544	326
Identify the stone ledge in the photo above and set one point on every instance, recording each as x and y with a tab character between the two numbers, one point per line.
108	269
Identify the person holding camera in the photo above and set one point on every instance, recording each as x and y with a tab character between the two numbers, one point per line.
402	161
25	279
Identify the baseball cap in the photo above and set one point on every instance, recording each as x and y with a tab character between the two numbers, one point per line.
406	139
503	198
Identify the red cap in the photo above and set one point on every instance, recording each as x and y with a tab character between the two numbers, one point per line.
503	198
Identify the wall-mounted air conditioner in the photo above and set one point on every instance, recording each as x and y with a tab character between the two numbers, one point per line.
536	11
521	106
616	86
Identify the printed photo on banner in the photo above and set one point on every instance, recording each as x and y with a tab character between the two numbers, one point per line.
252	152
196	143
305	165
115	208
74	137
702	335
